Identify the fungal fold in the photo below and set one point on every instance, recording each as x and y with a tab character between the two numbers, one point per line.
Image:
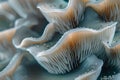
61	20
107	9
113	55
7	11
73	48
93	66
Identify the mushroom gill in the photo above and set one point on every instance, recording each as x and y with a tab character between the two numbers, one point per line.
66	18
73	48
48	34
20	9
94	67
9	70
6	40
7	11
109	10
61	20
113	55
25	7
27	27
6	43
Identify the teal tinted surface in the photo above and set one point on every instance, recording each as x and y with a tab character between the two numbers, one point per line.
36	72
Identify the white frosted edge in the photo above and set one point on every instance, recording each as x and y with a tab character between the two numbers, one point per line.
85	75
40	56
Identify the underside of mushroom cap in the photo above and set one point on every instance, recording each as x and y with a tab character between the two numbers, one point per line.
7	11
25	7
107	9
29	27
94	67
113	56
74	47
6	43
66	18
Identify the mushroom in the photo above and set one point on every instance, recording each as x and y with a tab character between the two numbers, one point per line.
6	43
25	7
9	70
107	9
7	11
73	48
28	27
21	10
113	55
61	20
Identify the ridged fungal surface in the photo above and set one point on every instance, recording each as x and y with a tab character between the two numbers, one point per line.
65	18
107	9
73	48
7	11
113	55
94	68
7	49
66	39
60	18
